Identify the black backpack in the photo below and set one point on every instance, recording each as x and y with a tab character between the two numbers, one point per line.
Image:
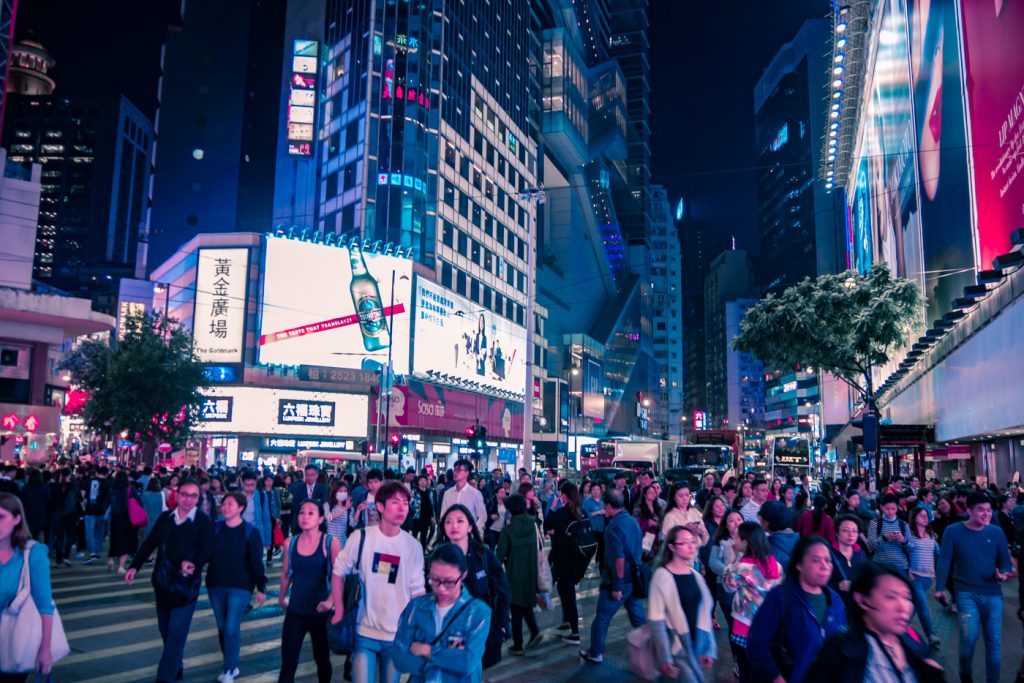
581	533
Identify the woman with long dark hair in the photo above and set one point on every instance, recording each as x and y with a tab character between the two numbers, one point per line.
679	610
721	556
568	564
797	616
124	537
15	551
680	512
748	580
648	516
816	522
923	551
485	577
876	646
714	515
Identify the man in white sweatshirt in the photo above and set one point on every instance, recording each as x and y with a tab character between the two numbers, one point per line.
391	566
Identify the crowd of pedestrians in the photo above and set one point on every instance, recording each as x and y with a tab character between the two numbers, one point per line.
809	583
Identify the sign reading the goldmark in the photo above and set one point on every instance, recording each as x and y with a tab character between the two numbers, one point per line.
219	323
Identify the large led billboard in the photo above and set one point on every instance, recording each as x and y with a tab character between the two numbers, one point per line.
333	306
995	95
218	327
941	152
459	338
262	410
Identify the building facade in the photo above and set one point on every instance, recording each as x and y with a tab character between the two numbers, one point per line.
667	309
729	279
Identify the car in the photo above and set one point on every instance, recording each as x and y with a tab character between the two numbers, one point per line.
606	475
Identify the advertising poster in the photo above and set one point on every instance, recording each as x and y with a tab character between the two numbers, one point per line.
457	337
218	327
942	153
593	388
993	31
422	406
889	148
259	410
861	253
332	306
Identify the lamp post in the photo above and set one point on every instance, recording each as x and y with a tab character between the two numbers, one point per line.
534	196
573	413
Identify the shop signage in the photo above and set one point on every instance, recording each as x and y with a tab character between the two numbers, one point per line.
219	324
282	443
291	412
216	409
421	406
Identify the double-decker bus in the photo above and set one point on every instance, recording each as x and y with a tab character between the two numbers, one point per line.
595	455
789	456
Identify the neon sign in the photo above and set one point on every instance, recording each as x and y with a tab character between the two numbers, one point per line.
302	98
399	92
31	423
11	421
401	180
781	138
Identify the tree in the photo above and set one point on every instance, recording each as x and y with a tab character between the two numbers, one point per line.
844	324
146	384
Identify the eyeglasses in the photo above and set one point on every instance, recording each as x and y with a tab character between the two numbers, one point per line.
444	583
187	495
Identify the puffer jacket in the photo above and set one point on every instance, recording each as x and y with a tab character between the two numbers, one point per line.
458	654
517	549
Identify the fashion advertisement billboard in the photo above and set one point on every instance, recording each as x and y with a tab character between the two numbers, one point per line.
333	306
456	337
942	154
422	406
993	30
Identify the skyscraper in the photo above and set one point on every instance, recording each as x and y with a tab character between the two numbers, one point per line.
667	308
729	280
218	122
801	222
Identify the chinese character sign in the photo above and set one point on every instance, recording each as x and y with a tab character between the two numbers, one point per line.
219	324
216	409
320	413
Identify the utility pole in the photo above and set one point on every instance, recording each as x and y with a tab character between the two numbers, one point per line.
535	196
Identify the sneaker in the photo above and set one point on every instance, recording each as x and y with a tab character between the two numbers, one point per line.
517	651
79	556
593	659
224	676
535	641
571	639
66	562
122	570
90	559
564	626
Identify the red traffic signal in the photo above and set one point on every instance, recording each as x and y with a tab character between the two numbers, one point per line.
396	439
470	430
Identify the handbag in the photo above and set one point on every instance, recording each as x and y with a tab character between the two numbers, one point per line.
21	627
544	580
640	577
341	637
278	536
136	514
640	651
179	589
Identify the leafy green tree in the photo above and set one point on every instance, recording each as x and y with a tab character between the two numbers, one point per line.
146	384
844	324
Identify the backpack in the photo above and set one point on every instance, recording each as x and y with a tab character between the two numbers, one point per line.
581	533
248	529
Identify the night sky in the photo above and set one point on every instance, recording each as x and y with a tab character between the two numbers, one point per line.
706	58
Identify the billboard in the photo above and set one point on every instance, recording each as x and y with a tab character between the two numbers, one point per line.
332	306
262	410
460	338
218	326
995	96
942	154
422	406
593	388
301	120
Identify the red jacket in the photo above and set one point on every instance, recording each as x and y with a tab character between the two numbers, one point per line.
827	530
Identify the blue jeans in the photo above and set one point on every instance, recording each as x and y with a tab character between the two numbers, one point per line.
95	530
228	606
606	609
984	612
174	624
921	584
364	661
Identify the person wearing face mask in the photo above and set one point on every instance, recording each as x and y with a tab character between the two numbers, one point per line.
876	647
338	511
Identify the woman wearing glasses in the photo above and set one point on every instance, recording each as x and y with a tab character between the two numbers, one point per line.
442	635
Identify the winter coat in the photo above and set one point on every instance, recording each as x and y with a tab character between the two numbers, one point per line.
844	658
753	580
517	549
456	657
785	627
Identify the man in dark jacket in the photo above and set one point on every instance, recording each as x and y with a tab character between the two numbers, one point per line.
307	489
184	540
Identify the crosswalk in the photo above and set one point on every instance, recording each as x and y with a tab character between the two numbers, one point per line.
114	637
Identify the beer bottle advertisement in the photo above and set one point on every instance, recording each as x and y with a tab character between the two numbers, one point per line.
331	305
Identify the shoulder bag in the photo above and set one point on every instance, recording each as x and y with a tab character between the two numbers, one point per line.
21	627
543	568
342	636
136	513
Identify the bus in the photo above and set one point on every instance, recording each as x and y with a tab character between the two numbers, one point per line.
693	461
594	455
789	456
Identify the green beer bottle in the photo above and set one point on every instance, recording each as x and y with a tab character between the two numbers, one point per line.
366	299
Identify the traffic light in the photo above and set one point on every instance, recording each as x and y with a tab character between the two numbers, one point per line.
479	439
366	447
396	439
404	448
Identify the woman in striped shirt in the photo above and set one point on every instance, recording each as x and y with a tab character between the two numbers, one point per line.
923	549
